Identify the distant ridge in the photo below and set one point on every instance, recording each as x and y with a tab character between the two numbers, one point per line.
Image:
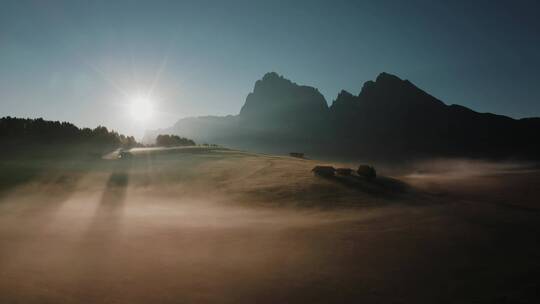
390	119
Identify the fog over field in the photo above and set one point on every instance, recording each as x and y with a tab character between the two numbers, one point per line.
269	152
211	225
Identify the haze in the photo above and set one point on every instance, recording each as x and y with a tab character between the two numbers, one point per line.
269	152
85	61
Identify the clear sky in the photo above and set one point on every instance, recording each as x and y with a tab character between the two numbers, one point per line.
84	61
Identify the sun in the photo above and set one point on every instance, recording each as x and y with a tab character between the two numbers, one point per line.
141	109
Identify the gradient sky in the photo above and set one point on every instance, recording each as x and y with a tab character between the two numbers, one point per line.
82	61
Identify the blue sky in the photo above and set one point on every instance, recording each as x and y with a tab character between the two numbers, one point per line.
83	61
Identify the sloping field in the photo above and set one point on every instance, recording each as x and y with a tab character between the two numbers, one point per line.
200	225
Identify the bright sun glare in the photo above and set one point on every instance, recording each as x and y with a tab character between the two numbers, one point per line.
141	109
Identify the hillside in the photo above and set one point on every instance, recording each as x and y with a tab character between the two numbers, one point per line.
211	225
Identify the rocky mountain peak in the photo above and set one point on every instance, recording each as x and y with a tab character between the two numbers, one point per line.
274	96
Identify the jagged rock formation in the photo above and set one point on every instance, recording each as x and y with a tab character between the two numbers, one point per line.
276	100
390	118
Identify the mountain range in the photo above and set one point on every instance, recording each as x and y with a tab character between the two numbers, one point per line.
390	119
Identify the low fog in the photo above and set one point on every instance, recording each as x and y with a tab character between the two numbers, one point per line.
221	226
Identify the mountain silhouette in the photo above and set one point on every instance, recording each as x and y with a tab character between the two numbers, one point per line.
390	119
276	100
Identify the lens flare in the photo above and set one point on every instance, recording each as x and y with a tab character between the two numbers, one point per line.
141	109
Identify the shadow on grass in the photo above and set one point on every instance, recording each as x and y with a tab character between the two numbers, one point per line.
104	227
384	186
13	175
114	194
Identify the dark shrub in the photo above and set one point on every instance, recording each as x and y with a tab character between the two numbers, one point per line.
368	172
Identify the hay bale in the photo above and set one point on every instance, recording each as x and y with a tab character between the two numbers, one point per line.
296	154
326	171
125	155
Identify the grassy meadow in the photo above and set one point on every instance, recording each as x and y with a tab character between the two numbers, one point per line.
212	225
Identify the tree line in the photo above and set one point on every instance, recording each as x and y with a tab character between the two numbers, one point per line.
28	131
166	140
